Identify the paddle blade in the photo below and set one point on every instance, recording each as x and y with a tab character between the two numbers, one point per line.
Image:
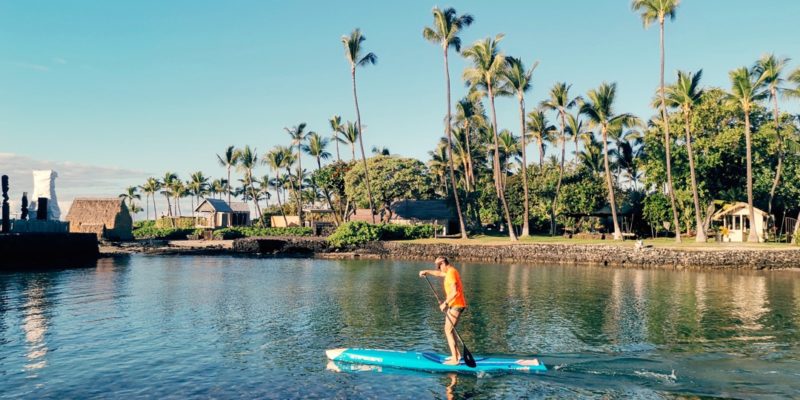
468	358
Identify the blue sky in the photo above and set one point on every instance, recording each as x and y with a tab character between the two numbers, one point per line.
142	87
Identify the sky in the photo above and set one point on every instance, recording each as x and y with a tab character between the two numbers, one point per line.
110	92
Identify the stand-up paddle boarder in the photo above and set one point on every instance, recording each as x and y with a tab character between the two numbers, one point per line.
454	302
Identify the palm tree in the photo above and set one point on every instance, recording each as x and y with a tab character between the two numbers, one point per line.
298	136
351	136
470	115
560	102
598	108
150	188
576	130
438	165
651	11
228	160
685	94
129	195
276	159
352	52
218	186
167	183
519	82
179	191
591	157
337	128
540	129
198	187
446	27
486	74
380	151
316	148
748	90
248	159
771	70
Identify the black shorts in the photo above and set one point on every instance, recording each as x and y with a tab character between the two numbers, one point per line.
459	309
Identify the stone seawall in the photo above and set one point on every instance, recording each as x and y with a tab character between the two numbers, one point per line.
47	250
585	254
607	255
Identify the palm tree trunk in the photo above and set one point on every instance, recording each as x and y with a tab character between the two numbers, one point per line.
470	171
753	235
560	174
147	207
450	150
336	140
541	150
526	213
497	183
361	144
611	198
698	219
328	197
228	185
278	195
667	141
155	211
779	167
796	229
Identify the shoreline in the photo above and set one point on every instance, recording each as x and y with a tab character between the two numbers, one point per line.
610	255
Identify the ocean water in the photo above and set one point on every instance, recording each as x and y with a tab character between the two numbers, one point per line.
245	327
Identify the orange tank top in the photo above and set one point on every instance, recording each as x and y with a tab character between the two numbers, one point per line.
453	277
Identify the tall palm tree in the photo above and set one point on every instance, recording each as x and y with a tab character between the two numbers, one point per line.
351	135
540	129
598	108
519	82
438	165
131	194
771	70
179	191
651	11
150	188
560	102
317	148
486	74
167	183
248	159
298	137
576	130
352	52
336	128
276	159
446	27
228	159
685	94
470	115
591	157
748	90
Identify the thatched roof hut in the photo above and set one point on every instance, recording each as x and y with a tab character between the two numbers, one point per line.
107	218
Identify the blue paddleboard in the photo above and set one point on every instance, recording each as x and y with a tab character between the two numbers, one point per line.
432	362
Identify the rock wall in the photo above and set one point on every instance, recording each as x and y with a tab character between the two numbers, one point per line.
608	255
281	245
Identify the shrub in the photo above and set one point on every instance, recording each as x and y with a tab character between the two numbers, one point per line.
152	232
248	231
176	222
356	233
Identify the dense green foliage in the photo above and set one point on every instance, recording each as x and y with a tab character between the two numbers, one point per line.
392	179
355	233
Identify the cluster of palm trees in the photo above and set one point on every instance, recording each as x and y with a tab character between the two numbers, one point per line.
474	151
473	142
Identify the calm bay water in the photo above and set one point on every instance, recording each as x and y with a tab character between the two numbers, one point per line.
180	326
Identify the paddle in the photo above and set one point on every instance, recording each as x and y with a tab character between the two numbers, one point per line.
468	358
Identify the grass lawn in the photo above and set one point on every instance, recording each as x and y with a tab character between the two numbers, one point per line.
668	243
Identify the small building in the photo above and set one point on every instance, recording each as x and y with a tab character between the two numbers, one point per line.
107	218
735	219
217	213
434	212
277	221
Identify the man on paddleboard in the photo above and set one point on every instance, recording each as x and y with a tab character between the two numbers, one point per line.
454	302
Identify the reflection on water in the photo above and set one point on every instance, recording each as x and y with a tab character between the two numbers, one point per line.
250	327
34	325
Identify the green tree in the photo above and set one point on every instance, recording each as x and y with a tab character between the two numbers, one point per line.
540	129
446	27
598	108
519	82
167	183
276	159
685	95
747	90
486	74
131	193
395	179
652	11
336	128
352	52
198	187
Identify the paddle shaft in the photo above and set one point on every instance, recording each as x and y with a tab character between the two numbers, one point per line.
447	315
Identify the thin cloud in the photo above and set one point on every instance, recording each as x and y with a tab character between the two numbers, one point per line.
59	60
34	67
